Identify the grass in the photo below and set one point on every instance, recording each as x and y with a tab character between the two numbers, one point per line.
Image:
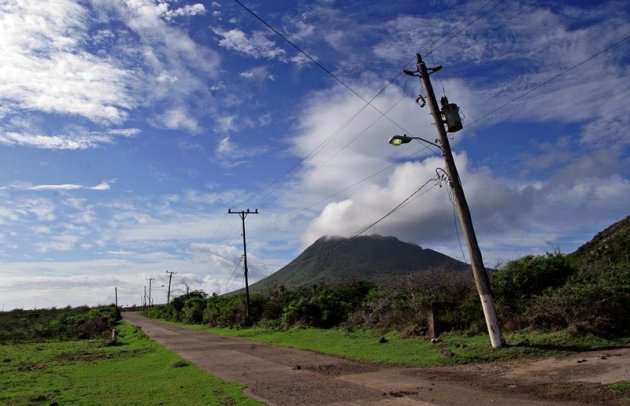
417	351
136	371
621	389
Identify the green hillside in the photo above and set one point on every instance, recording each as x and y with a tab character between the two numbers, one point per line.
334	261
608	247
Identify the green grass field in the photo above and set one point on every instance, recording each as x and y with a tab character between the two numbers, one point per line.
417	351
135	372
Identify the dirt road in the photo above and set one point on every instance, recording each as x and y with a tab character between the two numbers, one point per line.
281	376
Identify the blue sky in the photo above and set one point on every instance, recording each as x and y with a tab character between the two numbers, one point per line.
128	128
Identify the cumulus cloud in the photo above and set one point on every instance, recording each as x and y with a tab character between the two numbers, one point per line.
500	206
428	218
258	45
44	67
188	10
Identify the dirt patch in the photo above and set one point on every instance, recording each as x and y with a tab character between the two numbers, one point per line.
339	368
583	377
90	356
30	367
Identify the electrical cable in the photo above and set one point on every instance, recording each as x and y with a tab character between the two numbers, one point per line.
232	275
368	103
325	142
546	82
518	13
371	225
455	225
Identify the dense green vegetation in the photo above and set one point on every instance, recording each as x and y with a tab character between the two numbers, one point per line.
135	371
19	326
546	293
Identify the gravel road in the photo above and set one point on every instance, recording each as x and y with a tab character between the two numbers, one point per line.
282	376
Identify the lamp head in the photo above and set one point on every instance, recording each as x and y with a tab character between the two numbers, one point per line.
400	139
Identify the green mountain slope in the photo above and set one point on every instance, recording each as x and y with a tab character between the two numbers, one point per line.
608	247
332	261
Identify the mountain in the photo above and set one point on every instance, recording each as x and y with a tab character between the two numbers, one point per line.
332	261
608	247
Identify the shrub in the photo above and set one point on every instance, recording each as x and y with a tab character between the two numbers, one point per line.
522	279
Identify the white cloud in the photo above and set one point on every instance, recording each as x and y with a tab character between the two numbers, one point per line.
43	65
258	45
258	74
188	10
231	155
77	139
105	185
177	118
172	65
226	123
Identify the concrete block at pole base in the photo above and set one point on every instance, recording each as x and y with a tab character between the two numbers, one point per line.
433	321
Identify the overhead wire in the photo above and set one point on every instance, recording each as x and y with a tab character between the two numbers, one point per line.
322	145
496	27
368	103
371	225
551	79
232	275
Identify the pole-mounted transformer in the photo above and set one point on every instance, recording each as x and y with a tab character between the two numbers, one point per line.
452	119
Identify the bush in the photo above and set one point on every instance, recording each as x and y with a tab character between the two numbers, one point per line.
596	302
521	280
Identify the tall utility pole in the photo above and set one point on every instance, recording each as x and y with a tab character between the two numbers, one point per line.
150	299
144	301
482	281
116	296
242	215
168	294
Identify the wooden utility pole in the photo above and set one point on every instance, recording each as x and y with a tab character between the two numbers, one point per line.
168	294
116	296
242	215
482	281
150	298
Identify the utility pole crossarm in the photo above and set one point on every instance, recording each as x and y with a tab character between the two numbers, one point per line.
482	281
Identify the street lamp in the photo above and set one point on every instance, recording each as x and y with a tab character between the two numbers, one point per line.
400	139
479	272
397	140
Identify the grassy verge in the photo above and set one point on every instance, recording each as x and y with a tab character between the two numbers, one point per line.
136	371
417	351
621	389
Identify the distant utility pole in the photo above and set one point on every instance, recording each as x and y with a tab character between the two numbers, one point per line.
150	298
242	215
116	296
482	281
168	294
144	299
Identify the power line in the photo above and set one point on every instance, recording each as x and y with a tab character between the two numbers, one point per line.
233	273
468	24
320	147
518	13
371	225
546	82
300	50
